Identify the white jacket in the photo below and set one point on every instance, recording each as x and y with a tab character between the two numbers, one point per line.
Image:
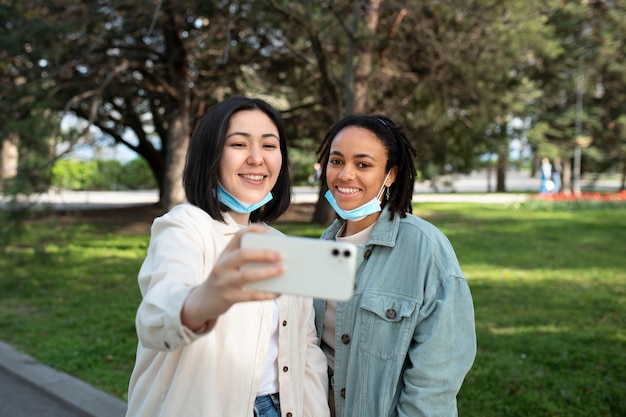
179	373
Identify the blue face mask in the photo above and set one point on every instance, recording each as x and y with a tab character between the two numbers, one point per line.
231	202
361	212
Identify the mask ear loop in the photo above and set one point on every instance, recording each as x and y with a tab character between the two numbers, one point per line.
383	188
391	132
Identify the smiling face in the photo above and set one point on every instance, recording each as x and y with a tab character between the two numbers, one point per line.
356	168
251	160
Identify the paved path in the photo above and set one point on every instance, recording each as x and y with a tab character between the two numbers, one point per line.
468	188
29	388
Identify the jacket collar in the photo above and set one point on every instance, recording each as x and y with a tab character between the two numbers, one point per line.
226	228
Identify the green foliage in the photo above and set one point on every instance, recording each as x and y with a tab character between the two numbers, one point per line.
136	175
70	174
302	159
453	74
33	134
108	175
549	292
10	225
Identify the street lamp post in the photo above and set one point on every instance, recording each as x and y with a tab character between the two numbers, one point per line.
578	132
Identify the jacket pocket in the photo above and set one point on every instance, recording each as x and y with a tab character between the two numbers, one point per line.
386	325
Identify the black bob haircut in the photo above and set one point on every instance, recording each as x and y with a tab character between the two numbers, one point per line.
400	154
200	176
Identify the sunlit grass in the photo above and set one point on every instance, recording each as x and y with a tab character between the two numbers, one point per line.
549	291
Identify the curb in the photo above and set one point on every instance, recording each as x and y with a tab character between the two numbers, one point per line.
59	386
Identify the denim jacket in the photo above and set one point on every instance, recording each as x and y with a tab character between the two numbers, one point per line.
406	339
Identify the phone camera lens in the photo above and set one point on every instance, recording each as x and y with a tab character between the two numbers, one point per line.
346	253
335	252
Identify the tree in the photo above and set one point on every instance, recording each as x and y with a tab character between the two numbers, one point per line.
27	125
582	86
607	95
453	74
8	159
134	80
142	75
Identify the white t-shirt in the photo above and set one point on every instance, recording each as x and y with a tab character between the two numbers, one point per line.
269	378
330	315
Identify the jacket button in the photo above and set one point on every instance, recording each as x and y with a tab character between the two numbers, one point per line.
285	368
345	339
367	254
391	313
343	393
284	322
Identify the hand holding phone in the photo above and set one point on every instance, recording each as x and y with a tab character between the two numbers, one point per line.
324	269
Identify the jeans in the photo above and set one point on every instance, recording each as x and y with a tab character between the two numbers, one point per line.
267	406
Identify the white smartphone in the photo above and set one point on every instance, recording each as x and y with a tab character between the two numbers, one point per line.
323	269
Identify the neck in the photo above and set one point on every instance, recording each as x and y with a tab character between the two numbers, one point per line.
353	228
240	218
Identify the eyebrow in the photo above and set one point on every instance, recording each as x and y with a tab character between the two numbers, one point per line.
359	155
246	134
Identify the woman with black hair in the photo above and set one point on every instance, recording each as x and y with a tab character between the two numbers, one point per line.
208	347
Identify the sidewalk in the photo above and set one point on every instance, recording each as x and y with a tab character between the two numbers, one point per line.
454	188
29	388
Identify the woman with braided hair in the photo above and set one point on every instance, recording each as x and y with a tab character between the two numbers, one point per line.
405	341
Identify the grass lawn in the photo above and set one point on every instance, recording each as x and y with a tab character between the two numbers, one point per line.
549	290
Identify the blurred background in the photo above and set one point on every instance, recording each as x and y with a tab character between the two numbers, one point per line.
103	95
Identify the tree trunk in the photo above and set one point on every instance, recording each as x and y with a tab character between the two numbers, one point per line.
9	159
177	144
355	88
364	67
623	183
179	127
567	176
502	164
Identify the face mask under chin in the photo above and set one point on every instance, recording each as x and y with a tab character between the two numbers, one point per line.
234	204
361	212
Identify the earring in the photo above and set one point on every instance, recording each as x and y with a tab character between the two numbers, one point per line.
387	193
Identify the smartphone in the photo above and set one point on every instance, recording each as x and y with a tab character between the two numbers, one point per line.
323	269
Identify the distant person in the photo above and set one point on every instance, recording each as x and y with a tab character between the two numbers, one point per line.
557	169
207	346
547	183
316	173
404	343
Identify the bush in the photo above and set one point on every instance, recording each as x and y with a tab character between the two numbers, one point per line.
94	175
69	174
302	161
136	175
